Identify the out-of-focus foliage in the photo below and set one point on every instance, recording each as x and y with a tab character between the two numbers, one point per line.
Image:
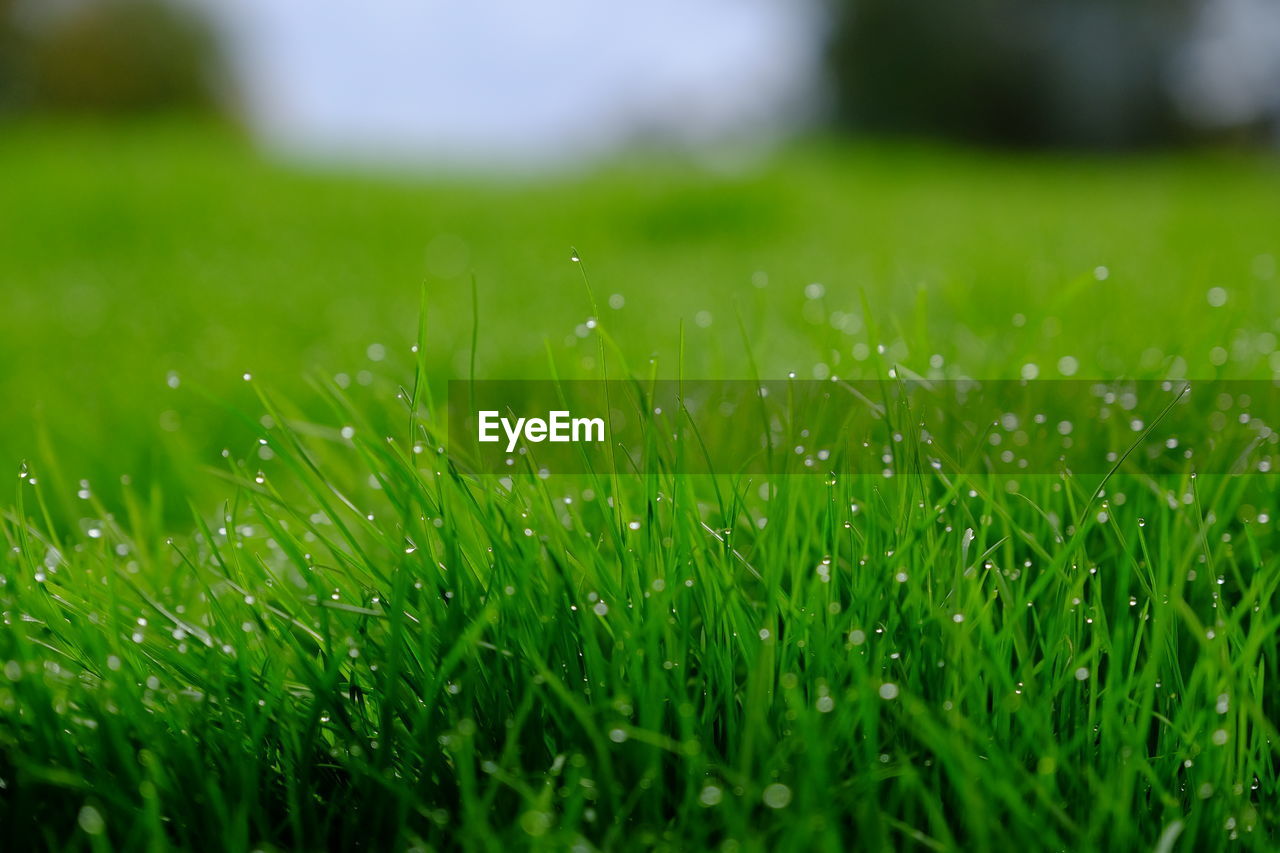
1020	72
129	250
11	54
107	57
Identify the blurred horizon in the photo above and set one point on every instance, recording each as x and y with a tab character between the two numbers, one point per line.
503	86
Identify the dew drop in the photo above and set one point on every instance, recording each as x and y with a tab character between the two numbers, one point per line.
776	796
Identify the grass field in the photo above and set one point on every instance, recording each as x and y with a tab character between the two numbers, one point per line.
329	636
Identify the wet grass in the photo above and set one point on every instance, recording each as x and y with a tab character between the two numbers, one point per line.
331	636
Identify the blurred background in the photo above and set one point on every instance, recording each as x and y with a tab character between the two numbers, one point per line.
433	83
195	190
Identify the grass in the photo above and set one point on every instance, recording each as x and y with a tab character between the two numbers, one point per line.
323	638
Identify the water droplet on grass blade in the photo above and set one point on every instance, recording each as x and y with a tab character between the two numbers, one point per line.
776	796
91	820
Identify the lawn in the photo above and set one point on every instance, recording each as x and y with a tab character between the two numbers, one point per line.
248	604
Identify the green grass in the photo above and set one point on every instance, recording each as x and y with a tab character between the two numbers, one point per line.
320	641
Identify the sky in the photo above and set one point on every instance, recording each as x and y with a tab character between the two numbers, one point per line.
513	81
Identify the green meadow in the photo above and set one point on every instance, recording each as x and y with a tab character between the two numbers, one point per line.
250	604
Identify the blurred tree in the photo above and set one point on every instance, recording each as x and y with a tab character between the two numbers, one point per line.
111	56
12	58
1014	72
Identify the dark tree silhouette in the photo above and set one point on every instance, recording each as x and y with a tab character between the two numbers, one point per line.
1013	72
